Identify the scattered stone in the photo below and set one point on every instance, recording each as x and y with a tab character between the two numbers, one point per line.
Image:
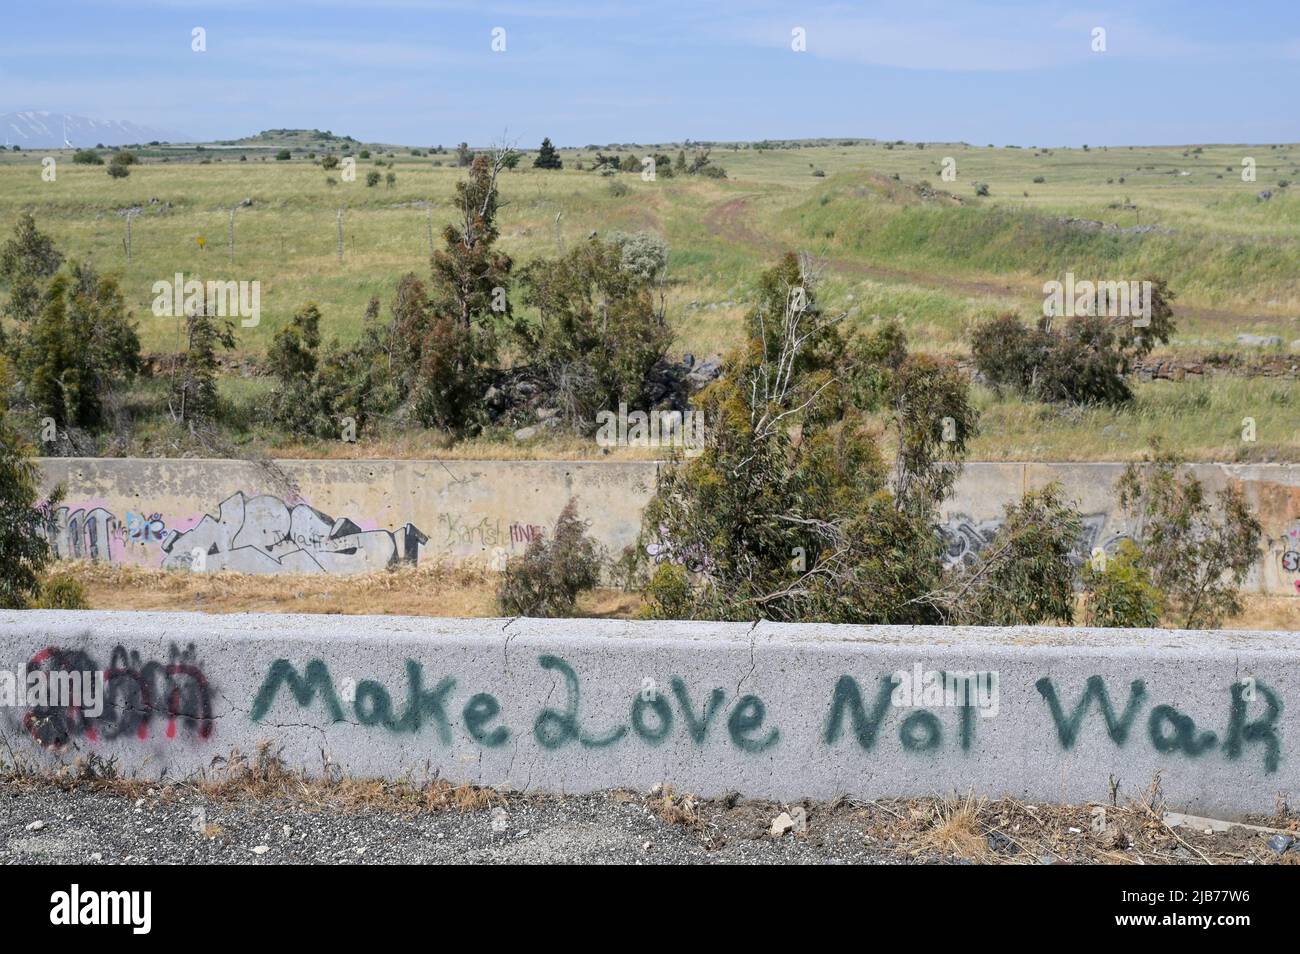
525	433
500	820
799	816
781	824
261	849
1280	843
1259	341
36	825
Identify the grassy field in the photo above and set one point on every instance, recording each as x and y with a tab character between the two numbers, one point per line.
895	241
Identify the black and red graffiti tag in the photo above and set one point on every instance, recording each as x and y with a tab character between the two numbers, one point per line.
138	696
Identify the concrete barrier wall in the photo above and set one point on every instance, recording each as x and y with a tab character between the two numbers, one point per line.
777	711
351	516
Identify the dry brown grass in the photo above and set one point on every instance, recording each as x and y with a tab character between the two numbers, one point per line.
264	775
431	589
954	828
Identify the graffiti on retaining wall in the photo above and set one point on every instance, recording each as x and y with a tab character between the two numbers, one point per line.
526	533
142	529
964	538
263	534
1290	556
141	697
82	535
260	534
485	532
653	716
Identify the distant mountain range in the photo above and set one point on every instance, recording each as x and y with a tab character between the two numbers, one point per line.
39	129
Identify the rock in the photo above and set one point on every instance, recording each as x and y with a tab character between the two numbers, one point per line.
546	413
261	849
1259	341
244	204
704	373
36	825
800	818
525	433
500	820
781	824
688	359
1280	843
1264	196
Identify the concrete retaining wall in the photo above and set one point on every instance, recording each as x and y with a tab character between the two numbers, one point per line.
352	516
770	710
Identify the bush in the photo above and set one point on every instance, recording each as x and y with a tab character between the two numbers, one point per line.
283	155
787	512
117	171
981	188
546	580
26	553
87	157
1025	576
598	333
1198	554
1086	361
61	591
329	162
644	254
1120	593
60	375
372	178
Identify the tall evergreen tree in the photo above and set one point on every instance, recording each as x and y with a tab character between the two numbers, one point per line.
548	157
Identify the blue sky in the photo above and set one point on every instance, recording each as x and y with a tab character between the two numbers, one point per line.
422	72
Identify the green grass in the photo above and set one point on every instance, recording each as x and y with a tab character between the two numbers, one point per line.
1228	251
1203	420
888	250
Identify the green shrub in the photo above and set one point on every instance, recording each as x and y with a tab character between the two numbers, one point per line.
26	553
598	333
546	580
61	591
1120	593
1197	552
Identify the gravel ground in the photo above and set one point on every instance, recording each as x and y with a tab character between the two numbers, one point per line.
284	820
51	825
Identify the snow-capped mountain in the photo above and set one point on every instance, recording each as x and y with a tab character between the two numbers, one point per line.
40	129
